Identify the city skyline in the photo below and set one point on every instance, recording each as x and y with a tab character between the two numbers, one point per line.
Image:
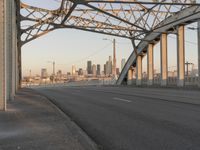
71	47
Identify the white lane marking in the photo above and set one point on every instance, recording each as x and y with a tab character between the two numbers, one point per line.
120	99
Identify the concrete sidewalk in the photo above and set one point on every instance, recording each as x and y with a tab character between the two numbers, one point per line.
33	123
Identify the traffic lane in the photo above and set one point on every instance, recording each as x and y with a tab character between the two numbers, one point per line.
116	125
187	115
183	93
190	97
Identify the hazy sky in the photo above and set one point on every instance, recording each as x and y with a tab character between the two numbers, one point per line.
69	47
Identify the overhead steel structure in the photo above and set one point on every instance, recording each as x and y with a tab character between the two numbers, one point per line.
141	21
133	19
144	22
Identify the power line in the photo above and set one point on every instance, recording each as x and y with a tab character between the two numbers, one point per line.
87	57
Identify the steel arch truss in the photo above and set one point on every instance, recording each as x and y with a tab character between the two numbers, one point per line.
133	19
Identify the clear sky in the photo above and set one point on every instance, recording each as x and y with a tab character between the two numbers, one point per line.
69	47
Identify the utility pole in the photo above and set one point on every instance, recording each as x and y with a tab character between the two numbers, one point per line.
187	67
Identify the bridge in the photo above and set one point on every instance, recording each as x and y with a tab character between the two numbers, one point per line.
132	114
144	22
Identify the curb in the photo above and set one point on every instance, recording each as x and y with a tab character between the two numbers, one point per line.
84	138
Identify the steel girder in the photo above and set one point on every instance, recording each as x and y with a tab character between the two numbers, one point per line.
186	16
133	19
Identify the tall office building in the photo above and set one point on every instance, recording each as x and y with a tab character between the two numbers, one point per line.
94	70
89	67
123	62
109	65
73	70
114	59
44	73
107	68
104	69
80	72
98	69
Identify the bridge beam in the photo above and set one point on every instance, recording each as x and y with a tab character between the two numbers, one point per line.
181	56
150	64
163	53
198	38
139	70
2	56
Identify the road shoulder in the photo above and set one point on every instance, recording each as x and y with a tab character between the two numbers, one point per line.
33	122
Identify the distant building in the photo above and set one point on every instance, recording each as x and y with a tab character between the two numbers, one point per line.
117	71
104	69
80	72
89	67
98	69
109	66
94	70
73	70
123	62
44	73
59	74
84	72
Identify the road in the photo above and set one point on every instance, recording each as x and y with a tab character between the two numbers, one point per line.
124	118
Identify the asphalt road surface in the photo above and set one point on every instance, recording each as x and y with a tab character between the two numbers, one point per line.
122	118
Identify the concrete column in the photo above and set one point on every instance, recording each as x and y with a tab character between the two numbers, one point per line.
2	56
198	53
9	48
130	76
163	57
139	70
14	50
150	65
18	49
181	56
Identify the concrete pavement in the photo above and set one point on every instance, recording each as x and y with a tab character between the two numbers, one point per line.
33	123
123	118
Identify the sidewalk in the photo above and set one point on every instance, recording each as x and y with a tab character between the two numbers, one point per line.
33	123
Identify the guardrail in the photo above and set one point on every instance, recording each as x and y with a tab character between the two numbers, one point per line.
77	83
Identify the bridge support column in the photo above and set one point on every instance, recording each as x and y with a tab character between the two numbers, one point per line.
150	66
130	76
2	57
163	53
14	49
9	49
181	56
139	70
198	38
